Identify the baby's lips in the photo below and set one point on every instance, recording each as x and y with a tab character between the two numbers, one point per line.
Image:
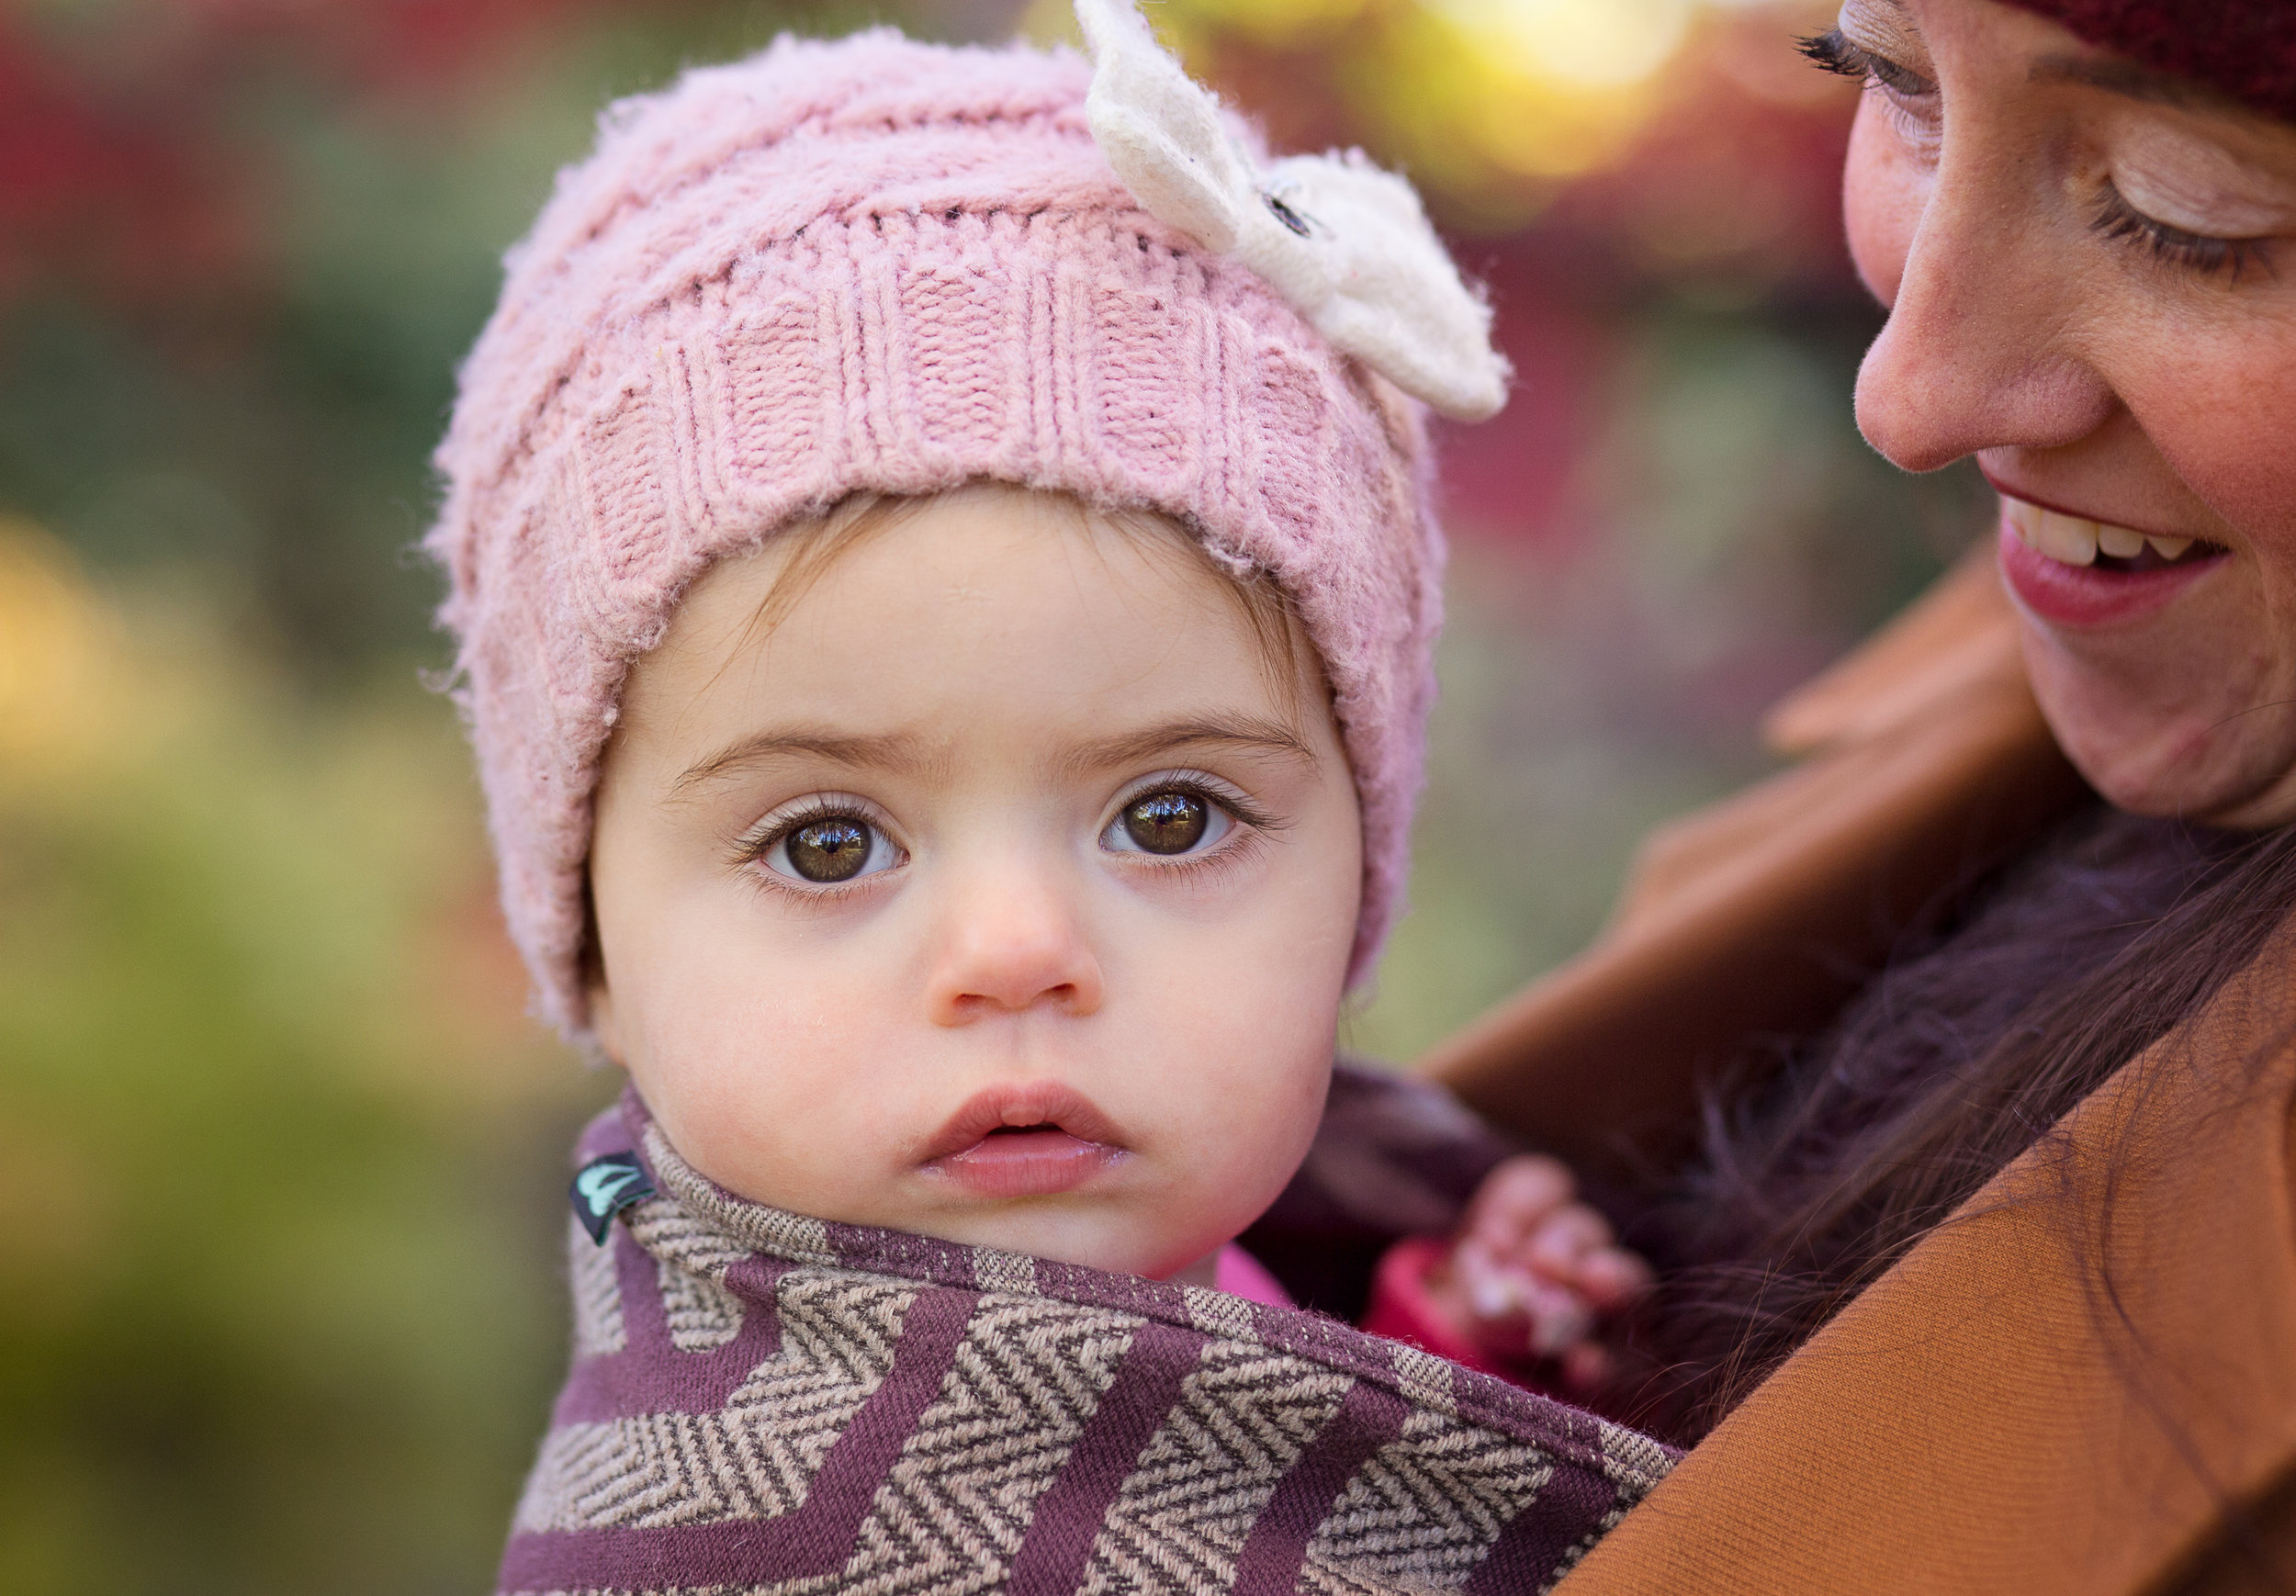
1039	1161
1021	1105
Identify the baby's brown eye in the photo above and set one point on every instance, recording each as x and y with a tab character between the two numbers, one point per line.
831	850
1167	822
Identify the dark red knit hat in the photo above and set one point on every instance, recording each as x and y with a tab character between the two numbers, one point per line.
2243	48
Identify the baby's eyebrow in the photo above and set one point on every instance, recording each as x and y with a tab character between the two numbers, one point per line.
1243	734
896	753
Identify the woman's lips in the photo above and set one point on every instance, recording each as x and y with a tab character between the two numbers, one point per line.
2051	561
1031	1139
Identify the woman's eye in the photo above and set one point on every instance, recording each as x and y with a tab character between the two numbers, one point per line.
1898	79
835	847
1832	51
1170	822
2234	257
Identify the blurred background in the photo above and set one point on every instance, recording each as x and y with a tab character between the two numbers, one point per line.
280	1154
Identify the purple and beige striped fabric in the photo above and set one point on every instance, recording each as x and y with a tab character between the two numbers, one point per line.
761	1402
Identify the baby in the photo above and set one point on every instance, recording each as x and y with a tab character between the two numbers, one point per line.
990	867
945	585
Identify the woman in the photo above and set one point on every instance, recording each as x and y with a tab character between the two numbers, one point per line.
1983	1277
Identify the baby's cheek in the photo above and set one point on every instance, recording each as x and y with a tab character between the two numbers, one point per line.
765	1088
1253	1118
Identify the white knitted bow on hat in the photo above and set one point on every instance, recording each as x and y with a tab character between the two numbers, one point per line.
1346	243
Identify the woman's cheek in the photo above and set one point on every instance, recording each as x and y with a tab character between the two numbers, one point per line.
1882	197
2226	434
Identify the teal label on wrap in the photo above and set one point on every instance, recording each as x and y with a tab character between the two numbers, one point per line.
604	1187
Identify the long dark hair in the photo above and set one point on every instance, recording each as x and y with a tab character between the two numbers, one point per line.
1966	1052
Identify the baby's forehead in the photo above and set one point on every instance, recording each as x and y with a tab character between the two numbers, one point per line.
904	606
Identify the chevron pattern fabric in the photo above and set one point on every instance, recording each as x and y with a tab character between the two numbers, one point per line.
765	1402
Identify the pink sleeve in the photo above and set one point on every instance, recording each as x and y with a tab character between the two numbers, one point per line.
1241	1274
1403	1309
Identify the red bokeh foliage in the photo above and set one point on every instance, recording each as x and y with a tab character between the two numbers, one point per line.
117	193
1509	479
125	171
419	45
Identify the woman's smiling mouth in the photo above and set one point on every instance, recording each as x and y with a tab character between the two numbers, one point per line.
2074	540
2070	571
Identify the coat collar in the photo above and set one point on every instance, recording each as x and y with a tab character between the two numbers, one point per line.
2060	1389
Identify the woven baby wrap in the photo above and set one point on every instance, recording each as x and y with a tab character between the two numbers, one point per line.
762	1401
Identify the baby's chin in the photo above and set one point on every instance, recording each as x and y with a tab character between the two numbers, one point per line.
1142	1235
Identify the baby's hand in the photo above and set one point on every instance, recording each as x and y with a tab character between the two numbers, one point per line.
1534	1269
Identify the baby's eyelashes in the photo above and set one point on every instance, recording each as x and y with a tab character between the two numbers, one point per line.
1170	822
822	841
837	847
1184	816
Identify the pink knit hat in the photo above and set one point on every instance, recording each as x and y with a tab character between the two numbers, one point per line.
876	265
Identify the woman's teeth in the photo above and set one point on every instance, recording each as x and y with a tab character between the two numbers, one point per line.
2073	540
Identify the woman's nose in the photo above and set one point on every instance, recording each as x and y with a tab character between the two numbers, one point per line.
1013	942
1983	345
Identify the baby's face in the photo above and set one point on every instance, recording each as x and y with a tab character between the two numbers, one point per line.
999	890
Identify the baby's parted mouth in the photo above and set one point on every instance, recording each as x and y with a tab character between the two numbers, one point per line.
1034	1138
2073	540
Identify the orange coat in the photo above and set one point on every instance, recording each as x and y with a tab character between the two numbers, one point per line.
1967	1424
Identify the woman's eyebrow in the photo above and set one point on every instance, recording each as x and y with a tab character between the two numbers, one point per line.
896	753
1242	733
2137	82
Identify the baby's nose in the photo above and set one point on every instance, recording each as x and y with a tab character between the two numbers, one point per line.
1013	948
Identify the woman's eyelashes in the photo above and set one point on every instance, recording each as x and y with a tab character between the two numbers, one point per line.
2117	219
1910	102
1832	51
